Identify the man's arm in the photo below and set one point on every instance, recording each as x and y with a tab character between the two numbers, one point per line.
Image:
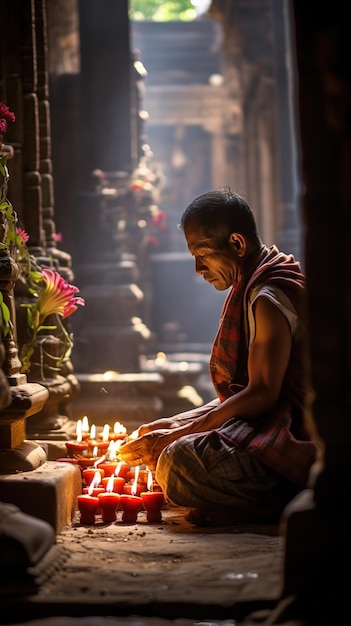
268	359
267	363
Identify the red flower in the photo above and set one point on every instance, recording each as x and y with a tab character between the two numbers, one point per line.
5	116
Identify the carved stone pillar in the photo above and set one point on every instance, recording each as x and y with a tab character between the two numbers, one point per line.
18	398
25	88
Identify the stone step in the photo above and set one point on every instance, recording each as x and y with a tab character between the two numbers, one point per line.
48	492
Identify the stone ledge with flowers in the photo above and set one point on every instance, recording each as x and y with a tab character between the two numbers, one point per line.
35	348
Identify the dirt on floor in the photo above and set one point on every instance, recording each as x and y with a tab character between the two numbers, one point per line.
170	569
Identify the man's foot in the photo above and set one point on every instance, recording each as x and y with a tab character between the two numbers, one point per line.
210	517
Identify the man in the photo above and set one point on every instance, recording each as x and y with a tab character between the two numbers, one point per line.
243	456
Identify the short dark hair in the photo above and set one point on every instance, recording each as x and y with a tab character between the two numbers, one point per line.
219	213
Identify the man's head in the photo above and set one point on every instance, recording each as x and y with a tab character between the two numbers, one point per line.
221	234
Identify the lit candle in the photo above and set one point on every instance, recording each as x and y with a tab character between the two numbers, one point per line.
109	463
131	504
152	501
142	475
108	467
122	469
117	483
86	462
94	489
89	474
137	477
129	489
85	424
88	506
99	445
82	431
104	435
90	459
109	502
78	446
119	432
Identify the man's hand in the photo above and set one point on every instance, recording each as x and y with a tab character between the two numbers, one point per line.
147	448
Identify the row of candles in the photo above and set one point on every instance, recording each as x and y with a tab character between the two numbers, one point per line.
108	485
107	494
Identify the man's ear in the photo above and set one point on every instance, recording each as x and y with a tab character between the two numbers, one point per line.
237	242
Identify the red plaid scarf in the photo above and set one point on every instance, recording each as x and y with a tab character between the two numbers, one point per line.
228	368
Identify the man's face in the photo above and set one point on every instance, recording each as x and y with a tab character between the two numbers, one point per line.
219	266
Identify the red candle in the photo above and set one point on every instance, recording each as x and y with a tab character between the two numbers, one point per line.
116	483
133	489
130	505
109	502
117	437
87	462
76	447
109	467
152	501
91	473
119	432
93	491
100	446
142	475
88	506
67	459
80	435
122	469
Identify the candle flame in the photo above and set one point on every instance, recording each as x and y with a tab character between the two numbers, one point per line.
110	483
118	468
119	429
105	432
111	451
149	480
100	460
94	483
85	424
135	482
93	432
95	451
79	431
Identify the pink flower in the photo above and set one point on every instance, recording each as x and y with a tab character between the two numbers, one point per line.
58	296
5	116
21	237
72	306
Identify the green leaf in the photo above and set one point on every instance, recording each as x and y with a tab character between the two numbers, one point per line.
5	313
29	317
6	323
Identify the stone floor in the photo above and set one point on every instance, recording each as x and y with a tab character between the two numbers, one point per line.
170	570
165	574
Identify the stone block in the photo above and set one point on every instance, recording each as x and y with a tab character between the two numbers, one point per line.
49	492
